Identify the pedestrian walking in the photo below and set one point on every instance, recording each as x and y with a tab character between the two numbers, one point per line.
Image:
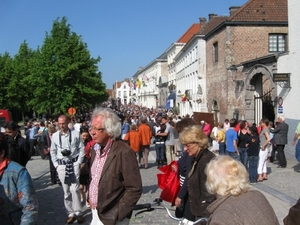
280	140
67	153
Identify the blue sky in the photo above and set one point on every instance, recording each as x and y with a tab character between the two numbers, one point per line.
126	34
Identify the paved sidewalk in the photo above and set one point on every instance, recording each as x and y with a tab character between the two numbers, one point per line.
281	189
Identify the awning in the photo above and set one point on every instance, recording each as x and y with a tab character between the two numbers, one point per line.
172	96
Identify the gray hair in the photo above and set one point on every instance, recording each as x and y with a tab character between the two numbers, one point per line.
281	117
111	121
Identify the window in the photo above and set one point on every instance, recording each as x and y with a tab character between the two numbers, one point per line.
277	43
216	52
119	94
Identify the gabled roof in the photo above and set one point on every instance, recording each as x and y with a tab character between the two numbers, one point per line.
212	24
254	12
161	58
261	10
194	29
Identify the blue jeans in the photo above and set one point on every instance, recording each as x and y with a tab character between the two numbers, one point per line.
253	164
222	148
234	155
244	156
160	151
297	153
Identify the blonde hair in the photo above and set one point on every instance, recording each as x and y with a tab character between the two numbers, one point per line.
226	176
194	134
51	128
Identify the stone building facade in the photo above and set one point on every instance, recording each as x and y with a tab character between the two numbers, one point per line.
239	62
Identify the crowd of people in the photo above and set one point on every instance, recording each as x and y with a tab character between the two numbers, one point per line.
97	161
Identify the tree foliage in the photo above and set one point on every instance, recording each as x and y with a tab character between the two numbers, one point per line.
58	75
6	70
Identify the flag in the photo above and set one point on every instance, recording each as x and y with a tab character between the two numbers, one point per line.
183	98
131	84
145	78
138	83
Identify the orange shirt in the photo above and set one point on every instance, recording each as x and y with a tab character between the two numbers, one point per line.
134	139
146	133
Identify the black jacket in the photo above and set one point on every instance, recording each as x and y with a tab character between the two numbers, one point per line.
198	195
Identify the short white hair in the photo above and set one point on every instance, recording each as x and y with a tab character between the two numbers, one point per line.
226	176
281	117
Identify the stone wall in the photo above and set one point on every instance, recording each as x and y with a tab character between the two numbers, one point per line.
236	44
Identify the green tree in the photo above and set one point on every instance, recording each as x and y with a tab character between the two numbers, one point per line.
64	73
19	92
6	71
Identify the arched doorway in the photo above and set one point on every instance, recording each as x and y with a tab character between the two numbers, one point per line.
260	94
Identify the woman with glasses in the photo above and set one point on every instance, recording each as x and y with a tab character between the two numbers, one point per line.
195	143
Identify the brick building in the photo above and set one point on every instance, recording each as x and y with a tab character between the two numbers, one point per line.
241	57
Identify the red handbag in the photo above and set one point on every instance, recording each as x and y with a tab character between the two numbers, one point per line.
169	182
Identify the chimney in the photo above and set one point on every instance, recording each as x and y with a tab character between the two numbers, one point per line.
211	15
233	9
202	22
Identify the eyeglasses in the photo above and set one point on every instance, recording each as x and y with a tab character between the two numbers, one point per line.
189	145
96	129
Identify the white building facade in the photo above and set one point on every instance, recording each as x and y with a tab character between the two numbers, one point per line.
123	92
190	77
289	64
147	82
172	52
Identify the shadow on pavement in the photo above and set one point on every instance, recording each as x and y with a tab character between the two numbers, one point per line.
297	168
51	205
150	189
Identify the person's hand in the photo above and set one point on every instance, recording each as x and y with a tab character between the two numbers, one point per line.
293	143
178	202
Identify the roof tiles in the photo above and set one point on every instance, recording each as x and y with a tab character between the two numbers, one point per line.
212	24
261	10
194	29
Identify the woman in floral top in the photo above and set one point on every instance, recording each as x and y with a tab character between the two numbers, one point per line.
18	200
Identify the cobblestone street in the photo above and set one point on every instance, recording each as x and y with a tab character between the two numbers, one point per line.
281	189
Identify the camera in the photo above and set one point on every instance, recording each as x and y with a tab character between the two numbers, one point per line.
66	152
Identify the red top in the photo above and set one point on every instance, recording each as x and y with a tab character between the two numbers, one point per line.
88	147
